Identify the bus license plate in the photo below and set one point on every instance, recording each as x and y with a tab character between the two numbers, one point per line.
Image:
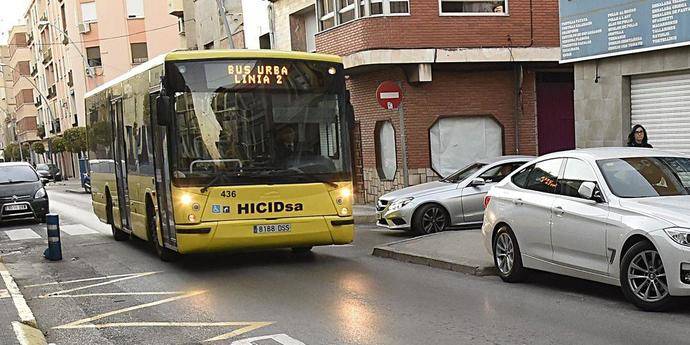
16	208
272	228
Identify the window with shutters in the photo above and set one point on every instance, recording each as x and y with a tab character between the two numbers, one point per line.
135	9
88	12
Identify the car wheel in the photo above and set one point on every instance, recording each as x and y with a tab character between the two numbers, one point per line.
507	257
118	234
643	278
430	219
163	253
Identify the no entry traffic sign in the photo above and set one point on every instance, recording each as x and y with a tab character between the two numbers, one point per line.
389	95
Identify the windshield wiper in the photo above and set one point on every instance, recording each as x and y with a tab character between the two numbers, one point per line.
305	176
215	179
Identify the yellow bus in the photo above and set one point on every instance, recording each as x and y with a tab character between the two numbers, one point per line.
200	151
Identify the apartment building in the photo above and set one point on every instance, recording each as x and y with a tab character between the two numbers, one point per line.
479	78
202	27
6	116
22	90
79	44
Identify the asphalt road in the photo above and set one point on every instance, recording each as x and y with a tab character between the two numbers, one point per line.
107	292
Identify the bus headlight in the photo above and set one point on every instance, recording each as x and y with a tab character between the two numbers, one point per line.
346	192
186	199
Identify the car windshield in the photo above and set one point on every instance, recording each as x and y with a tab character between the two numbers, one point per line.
643	177
42	167
17	174
462	174
288	128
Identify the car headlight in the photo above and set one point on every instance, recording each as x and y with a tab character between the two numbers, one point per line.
40	193
400	203
679	235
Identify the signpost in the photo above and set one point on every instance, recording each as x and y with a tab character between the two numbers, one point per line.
389	95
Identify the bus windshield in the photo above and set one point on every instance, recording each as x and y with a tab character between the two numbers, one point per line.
253	122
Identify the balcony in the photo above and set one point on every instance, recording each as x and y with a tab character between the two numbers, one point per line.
70	79
52	92
47	55
55	127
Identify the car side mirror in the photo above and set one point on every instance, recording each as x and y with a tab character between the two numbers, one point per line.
44	181
589	191
163	105
477	182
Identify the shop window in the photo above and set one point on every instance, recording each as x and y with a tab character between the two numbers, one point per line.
456	142
386	162
473	7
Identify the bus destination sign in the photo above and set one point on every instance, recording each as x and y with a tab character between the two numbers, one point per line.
257	74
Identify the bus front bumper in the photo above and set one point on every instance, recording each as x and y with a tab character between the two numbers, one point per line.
243	235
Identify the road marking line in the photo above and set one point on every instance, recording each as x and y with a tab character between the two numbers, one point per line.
283	339
4	294
81	322
77	230
86	280
62	292
105	294
27	335
22	234
253	325
25	314
249	328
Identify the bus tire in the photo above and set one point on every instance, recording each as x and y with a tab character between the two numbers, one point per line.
163	253
118	234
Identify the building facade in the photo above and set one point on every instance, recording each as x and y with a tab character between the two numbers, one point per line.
22	91
7	129
201	25
79	44
479	79
639	74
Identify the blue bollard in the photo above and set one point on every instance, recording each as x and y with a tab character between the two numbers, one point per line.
54	251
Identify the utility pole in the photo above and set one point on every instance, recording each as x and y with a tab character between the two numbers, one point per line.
224	17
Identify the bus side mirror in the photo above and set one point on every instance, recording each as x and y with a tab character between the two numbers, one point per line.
163	105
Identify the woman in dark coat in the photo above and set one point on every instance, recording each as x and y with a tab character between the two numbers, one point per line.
638	137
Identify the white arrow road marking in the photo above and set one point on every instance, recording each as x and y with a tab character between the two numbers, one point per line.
283	339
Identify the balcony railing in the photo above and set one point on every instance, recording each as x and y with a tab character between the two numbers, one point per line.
47	55
52	92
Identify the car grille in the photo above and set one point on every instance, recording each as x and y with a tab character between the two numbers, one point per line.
381	205
11	198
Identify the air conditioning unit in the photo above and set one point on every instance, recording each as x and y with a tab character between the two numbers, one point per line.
84	28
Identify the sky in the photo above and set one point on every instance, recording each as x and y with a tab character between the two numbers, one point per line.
11	13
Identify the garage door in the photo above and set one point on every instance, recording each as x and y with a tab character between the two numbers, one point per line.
661	103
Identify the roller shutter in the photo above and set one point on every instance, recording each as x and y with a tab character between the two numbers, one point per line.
661	103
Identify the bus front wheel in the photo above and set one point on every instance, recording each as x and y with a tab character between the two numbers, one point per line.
163	253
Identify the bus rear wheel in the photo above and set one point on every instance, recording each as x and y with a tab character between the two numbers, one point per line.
118	234
163	253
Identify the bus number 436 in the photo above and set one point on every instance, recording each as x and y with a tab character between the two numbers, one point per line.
228	194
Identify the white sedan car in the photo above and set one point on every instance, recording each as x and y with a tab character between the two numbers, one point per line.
619	216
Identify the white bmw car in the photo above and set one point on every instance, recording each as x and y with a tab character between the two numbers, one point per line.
614	215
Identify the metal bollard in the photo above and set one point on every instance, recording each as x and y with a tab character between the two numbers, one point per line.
54	251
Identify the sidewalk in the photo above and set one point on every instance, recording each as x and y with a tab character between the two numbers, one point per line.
72	185
460	251
364	214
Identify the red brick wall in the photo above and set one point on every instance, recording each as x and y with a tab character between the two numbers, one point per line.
452	93
424	28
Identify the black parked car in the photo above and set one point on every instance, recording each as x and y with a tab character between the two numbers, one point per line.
22	195
50	171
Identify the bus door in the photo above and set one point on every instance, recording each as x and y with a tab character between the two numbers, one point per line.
162	175
120	157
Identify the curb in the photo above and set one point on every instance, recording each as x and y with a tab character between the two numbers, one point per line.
76	191
26	329
462	267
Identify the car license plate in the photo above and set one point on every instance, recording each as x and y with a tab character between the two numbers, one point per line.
272	228
16	208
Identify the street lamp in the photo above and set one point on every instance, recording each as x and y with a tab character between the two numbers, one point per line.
50	110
